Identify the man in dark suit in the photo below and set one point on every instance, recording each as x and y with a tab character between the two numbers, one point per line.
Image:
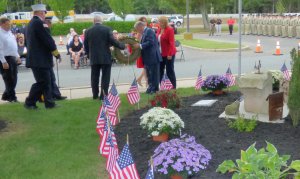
41	49
97	43
150	55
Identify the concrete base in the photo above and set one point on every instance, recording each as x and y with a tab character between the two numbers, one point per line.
261	117
205	103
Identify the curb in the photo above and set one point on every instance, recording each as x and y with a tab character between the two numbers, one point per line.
218	50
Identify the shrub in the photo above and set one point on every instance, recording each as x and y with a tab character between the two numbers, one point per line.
215	82
63	29
166	99
243	125
264	163
294	90
181	156
161	120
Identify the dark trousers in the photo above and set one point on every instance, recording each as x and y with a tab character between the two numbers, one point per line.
10	78
42	86
153	77
230	29
55	90
169	66
105	79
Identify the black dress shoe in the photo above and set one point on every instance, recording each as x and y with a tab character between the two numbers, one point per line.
30	107
14	101
60	98
95	97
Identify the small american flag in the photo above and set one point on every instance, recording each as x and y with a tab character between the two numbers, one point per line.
230	77
133	94
124	167
108	136
165	83
111	112
101	122
199	81
286	73
113	154
113	97
150	173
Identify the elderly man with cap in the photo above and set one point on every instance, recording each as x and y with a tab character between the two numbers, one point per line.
9	58
41	49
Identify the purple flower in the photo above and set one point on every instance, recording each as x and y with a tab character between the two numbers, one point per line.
181	155
215	82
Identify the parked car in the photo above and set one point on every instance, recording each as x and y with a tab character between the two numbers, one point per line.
178	20
128	17
97	13
69	19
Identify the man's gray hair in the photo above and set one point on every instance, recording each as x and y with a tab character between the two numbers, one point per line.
97	19
139	24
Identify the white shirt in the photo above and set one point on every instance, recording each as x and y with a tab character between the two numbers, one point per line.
8	45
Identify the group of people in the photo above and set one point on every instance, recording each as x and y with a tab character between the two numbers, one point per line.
215	26
157	54
271	25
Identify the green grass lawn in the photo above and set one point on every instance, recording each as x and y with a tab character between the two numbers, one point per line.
205	44
59	143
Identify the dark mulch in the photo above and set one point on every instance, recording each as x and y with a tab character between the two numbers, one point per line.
211	132
3	124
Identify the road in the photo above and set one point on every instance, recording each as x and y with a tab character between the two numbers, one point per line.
211	62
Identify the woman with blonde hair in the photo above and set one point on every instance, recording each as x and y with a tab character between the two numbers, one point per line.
166	40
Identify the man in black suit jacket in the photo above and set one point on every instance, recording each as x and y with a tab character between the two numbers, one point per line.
150	55
97	43
41	49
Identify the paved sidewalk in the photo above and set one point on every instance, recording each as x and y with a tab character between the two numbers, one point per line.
86	91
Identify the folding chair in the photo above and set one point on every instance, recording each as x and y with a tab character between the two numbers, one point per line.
179	49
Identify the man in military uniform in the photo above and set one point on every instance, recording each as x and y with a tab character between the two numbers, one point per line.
243	25
41	49
247	25
269	25
295	19
290	27
254	25
298	28
259	25
284	27
276	25
265	25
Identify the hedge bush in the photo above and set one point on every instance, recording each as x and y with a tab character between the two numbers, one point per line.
63	29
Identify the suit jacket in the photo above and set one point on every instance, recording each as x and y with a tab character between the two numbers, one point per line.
167	42
97	43
39	44
150	48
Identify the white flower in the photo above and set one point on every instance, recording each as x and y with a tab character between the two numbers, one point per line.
155	133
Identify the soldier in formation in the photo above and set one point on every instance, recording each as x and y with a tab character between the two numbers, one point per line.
271	25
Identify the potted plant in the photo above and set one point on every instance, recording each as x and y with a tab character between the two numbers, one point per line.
166	99
215	83
161	122
294	89
277	76
180	157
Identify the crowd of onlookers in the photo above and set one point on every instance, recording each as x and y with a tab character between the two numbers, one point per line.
215	26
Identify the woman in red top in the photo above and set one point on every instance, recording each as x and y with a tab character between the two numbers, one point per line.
230	23
168	50
139	62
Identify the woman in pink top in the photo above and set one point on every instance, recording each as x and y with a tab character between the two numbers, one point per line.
230	23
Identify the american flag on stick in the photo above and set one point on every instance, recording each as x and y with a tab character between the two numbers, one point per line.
108	137
100	122
133	94
113	153
286	73
124	167
113	97
165	83
110	111
150	173
199	81
230	77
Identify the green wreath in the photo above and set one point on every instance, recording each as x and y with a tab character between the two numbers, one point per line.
125	59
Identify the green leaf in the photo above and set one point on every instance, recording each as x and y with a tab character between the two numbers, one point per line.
226	166
285	157
297	175
235	176
244	156
295	165
271	148
251	150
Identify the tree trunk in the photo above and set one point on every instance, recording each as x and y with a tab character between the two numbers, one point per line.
204	15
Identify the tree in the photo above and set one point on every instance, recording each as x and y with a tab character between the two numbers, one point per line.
280	8
3	5
145	6
61	8
121	7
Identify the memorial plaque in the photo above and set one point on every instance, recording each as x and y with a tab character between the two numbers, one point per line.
275	106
